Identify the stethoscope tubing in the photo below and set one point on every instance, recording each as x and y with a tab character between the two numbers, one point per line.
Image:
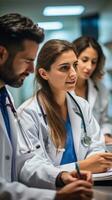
83	121
86	140
27	141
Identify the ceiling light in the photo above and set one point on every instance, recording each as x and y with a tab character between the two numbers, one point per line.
51	25
63	10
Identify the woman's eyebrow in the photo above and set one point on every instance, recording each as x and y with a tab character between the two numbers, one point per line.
67	63
64	64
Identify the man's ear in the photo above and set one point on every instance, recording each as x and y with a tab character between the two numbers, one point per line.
3	54
43	73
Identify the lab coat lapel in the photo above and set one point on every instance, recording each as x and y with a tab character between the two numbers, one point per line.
75	120
92	94
4	132
13	127
14	135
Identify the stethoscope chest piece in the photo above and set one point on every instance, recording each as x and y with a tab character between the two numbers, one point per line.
86	141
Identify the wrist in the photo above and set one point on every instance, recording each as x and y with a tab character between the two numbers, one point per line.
59	180
83	164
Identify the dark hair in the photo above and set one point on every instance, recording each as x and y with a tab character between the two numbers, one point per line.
84	42
15	28
48	54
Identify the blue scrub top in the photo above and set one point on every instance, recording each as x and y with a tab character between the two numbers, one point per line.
69	154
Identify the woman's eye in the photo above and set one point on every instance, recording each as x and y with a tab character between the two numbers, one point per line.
75	65
94	62
84	60
64	68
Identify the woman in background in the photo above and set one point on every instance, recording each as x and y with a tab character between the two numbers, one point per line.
53	122
90	71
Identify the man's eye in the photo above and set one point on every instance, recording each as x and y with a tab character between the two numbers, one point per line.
28	61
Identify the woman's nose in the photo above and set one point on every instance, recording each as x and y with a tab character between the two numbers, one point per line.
89	65
72	71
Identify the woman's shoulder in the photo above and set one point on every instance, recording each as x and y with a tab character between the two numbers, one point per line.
81	101
103	90
28	105
99	85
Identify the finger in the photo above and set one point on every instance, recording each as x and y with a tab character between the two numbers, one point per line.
70	180
107	156
74	173
84	183
88	176
106	165
75	186
85	175
85	197
105	162
79	185
84	192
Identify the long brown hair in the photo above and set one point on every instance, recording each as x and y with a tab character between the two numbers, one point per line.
48	54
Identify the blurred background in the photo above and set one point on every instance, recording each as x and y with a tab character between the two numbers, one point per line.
92	18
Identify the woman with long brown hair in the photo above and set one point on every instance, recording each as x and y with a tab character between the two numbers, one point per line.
59	125
90	71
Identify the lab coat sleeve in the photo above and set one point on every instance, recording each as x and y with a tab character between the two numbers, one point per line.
93	129
18	191
106	126
37	170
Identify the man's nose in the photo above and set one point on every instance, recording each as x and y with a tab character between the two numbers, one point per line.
31	68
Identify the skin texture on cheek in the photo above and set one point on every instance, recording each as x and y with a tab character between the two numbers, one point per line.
8	74
19	65
62	76
88	58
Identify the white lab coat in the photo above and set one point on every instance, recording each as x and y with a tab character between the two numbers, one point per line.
15	190
99	100
45	169
6	147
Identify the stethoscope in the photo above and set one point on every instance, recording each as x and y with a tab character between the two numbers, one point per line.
85	140
27	141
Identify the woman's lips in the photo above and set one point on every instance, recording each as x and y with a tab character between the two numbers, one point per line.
71	82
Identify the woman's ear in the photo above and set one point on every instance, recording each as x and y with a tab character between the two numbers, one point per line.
43	73
3	55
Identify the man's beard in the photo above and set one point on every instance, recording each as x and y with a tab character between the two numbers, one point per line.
7	74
